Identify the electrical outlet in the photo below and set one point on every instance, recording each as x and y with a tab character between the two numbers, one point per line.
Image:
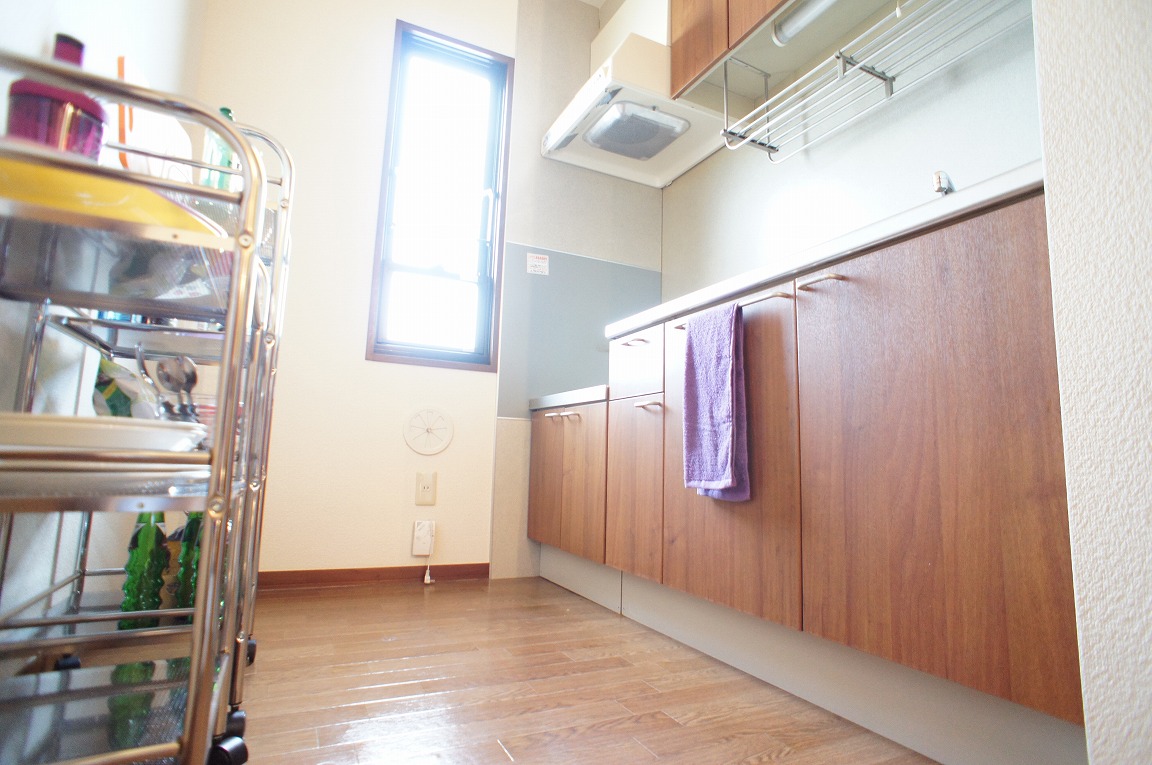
425	488
423	536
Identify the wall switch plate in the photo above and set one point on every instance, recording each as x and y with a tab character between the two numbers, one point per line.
425	488
423	536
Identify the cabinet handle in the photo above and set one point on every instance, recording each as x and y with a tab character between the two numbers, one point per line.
562	414
643	404
753	301
807	285
635	341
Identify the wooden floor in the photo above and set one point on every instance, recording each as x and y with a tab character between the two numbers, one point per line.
480	672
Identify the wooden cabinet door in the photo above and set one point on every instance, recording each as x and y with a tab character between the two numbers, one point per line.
585	473
699	30
546	477
634	537
636	363
567	479
745	15
935	526
745	555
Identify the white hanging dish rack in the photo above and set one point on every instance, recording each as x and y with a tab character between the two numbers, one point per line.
903	49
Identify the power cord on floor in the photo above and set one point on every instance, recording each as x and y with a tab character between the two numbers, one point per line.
431	546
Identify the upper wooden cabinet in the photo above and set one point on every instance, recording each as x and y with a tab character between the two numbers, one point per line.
935	525
699	30
703	31
566	482
636	363
745	555
745	15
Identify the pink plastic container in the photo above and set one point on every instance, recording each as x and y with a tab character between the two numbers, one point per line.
60	118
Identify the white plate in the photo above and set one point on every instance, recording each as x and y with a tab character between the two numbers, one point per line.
65	432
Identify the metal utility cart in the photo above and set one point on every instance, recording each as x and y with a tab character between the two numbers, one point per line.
134	266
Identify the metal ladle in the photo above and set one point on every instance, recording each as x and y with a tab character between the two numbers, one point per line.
166	411
179	376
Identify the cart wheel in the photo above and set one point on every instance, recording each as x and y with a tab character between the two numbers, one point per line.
234	726
251	651
67	661
228	750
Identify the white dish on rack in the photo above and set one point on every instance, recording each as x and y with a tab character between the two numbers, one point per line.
55	431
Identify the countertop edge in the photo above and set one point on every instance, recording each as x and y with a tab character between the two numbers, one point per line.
1023	180
570	398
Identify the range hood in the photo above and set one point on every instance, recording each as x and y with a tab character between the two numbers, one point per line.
624	123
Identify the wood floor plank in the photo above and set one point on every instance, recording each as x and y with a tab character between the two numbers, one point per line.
512	671
589	739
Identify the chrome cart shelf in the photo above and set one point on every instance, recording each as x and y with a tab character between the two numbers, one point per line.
136	265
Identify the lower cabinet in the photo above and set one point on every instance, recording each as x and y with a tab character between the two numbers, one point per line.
567	478
634	540
906	455
935	516
745	555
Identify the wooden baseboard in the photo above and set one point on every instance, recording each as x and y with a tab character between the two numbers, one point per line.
350	576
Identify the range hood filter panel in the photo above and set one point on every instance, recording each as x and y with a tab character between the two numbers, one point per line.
635	131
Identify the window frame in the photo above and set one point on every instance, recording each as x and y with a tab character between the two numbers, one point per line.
489	282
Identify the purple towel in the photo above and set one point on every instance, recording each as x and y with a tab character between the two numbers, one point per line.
715	418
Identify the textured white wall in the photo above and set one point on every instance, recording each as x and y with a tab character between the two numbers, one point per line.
1096	108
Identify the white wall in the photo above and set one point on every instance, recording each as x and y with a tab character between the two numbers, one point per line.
648	18
554	205
157	39
737	210
341	480
1096	107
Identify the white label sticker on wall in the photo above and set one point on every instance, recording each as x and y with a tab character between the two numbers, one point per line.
537	264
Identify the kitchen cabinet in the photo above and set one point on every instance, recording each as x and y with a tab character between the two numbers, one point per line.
745	15
121	266
935	528
704	31
745	555
567	474
546	478
634	535
636	363
634	511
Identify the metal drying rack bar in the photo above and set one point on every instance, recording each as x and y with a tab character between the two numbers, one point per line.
903	49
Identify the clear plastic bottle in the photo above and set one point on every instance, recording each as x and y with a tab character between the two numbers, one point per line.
217	152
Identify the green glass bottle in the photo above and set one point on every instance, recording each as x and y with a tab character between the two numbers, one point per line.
189	561
178	670
219	153
129	712
147	559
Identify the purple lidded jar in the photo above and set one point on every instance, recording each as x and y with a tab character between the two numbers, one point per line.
64	119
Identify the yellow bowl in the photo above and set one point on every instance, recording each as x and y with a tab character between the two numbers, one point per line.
87	194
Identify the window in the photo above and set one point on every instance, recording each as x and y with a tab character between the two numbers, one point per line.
435	283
